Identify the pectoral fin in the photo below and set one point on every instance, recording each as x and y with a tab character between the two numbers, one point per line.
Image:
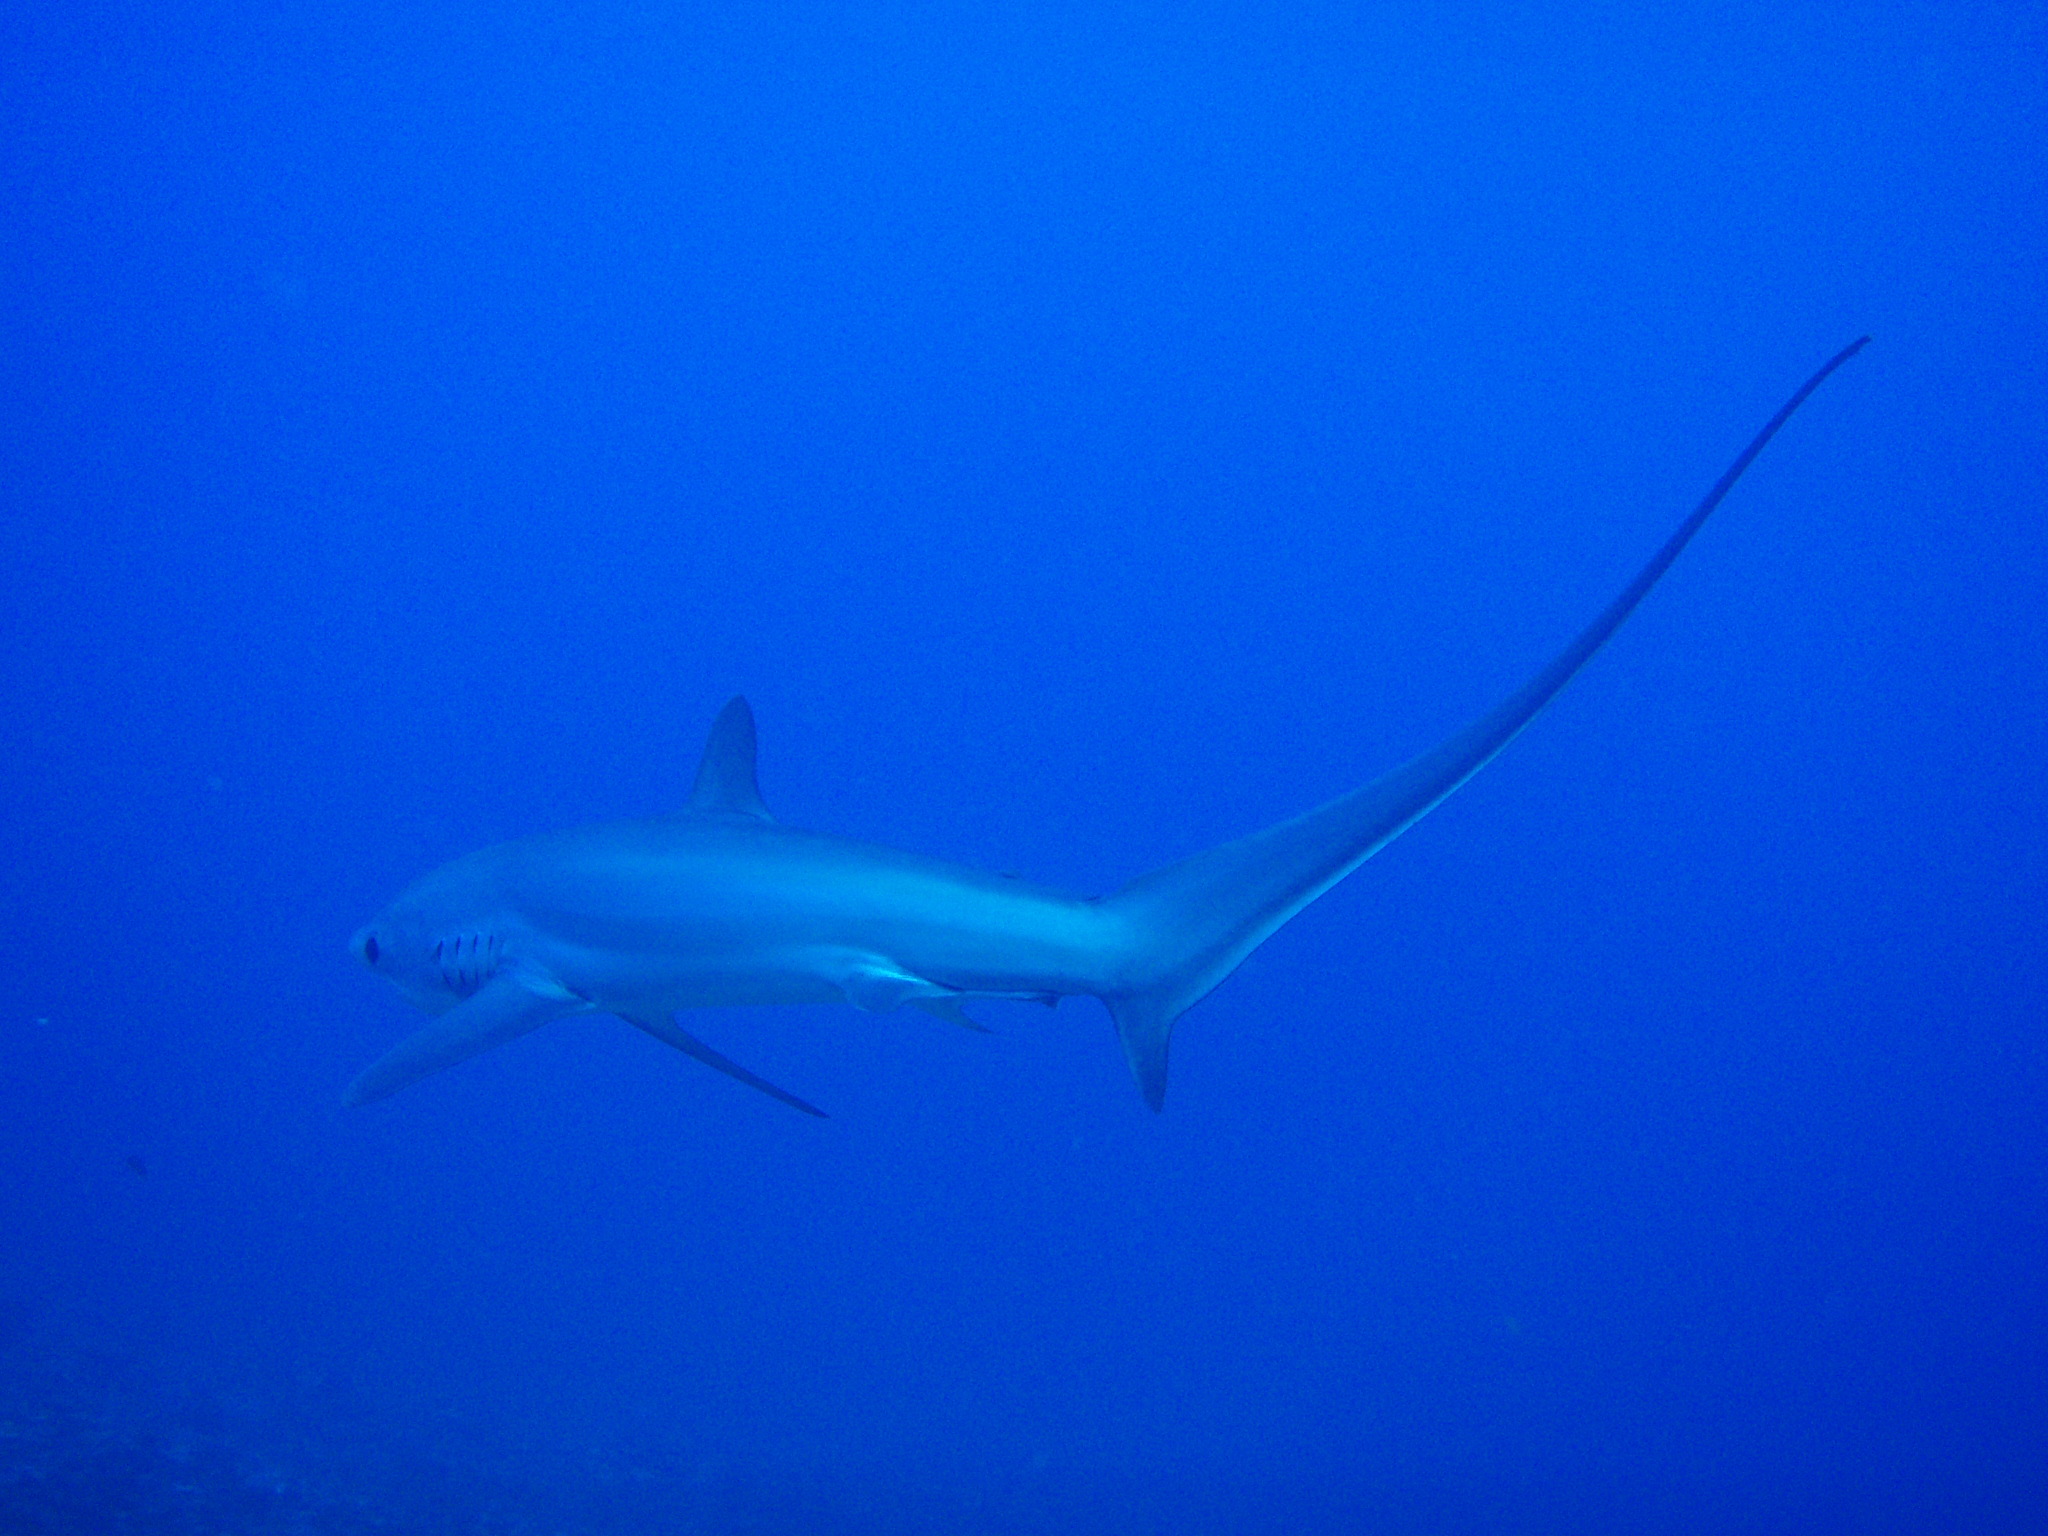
668	1032
510	1005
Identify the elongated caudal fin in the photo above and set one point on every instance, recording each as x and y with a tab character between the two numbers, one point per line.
1192	923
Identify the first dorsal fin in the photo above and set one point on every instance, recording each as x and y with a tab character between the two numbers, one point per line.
725	778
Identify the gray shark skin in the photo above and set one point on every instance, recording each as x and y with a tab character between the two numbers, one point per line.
718	904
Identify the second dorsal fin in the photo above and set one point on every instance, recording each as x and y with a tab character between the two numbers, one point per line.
726	783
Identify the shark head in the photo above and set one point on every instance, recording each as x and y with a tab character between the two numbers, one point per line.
436	964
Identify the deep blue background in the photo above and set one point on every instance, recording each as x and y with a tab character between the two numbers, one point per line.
1086	432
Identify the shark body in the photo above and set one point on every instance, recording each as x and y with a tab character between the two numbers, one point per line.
720	905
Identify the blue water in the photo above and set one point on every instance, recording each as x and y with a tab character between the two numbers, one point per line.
1086	433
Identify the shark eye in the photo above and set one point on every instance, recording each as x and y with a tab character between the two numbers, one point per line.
370	949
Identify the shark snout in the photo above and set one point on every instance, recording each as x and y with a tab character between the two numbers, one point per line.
364	946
